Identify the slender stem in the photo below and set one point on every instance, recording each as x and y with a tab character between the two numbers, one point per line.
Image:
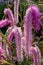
6	62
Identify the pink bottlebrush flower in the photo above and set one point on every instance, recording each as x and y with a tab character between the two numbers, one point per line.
17	34
4	23
28	31
18	44
16	7
10	16
36	55
32	14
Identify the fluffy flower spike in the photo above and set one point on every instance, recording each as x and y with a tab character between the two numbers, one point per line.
32	17
4	23
16	7
35	12
9	13
16	33
36	55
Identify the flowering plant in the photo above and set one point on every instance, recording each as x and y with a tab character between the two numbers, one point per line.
16	45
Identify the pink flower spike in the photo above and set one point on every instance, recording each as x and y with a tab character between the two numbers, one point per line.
17	34
36	55
32	17
18	43
28	31
16	7
3	23
10	16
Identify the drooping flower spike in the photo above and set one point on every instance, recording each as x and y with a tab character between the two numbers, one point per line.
35	17
9	20
35	12
9	13
28	21
32	14
17	34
